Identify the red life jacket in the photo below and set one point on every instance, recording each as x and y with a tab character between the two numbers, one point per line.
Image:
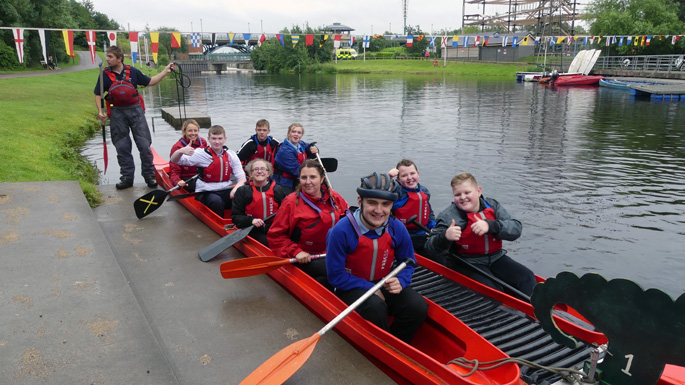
301	157
264	152
219	170
373	258
263	203
122	92
472	244
417	204
313	238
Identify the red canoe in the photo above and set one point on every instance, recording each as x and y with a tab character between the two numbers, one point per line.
578	80
465	319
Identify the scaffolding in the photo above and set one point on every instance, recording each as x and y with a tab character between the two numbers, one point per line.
542	17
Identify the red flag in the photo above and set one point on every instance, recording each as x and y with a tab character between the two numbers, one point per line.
261	40
19	42
90	37
133	40
68	41
112	36
309	40
175	40
336	41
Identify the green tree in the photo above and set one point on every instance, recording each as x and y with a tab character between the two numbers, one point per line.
274	57
654	18
420	43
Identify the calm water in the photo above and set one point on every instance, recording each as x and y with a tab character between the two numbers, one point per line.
597	178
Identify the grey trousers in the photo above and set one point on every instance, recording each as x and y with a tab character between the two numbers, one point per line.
131	119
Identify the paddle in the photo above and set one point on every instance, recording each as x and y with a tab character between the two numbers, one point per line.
102	104
216	248
328	182
247	267
329	164
151	201
283	364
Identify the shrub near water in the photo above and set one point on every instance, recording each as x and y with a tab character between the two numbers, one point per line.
44	123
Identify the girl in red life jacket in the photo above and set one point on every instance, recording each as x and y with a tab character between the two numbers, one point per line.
257	200
304	218
178	173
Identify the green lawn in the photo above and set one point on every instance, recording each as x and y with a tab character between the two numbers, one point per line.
427	67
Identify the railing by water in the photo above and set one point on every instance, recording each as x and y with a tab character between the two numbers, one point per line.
669	64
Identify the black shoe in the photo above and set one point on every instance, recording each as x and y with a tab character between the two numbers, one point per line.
150	180
124	184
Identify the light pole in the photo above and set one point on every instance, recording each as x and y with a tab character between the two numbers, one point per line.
200	28
248	27
191	27
261	25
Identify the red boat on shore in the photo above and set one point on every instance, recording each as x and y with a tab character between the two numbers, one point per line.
465	320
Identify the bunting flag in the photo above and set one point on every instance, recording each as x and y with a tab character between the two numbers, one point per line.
466	41
352	40
295	39
592	40
246	36
485	42
19	42
560	40
112	36
455	41
620	41
674	39
475	44
323	40
231	36
410	40
68	41
569	40
608	42
629	40
643	40
261	40
366	41
552	41
636	41
43	46
280	38
524	41
309	40
649	39
504	41
175	40
154	40
599	39
537	40
515	42
195	40
443	43
91	39
432	42
133	38
336	41
214	39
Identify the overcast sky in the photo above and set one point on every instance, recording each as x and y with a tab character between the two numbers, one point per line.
271	16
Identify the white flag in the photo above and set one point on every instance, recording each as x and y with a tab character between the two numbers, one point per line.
41	35
112	36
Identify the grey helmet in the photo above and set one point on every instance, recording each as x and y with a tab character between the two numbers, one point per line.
379	186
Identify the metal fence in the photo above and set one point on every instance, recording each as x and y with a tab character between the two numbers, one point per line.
648	63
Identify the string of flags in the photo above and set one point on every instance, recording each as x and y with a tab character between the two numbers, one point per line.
455	41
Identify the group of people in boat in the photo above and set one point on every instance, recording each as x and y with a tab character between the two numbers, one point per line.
393	219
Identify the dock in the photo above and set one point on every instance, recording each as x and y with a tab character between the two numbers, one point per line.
96	296
175	116
659	91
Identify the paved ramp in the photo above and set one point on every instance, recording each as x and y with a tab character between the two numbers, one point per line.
100	297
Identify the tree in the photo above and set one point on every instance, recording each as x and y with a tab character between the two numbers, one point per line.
275	57
637	18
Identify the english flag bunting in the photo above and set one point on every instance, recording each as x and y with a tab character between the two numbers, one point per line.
133	38
175	40
154	40
112	36
68	41
90	38
19	42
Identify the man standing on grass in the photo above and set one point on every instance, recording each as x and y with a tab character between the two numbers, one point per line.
126	110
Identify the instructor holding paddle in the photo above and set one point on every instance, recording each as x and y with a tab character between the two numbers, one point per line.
127	114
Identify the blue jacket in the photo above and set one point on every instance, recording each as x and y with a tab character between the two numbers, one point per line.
286	161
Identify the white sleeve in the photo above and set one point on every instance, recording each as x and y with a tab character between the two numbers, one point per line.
236	166
200	158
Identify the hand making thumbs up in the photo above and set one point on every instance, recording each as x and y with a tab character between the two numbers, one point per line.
453	232
480	227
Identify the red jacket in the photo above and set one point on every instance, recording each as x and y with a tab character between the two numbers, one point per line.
177	172
298	227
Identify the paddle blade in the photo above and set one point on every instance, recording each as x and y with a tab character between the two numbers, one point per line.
104	144
248	267
149	202
283	364
216	248
330	164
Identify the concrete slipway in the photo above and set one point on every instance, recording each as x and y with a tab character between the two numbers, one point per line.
100	297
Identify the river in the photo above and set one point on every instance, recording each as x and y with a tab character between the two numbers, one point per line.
596	177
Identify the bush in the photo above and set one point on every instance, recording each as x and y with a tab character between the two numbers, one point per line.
8	57
163	61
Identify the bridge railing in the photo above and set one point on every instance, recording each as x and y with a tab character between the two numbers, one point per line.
661	63
222	57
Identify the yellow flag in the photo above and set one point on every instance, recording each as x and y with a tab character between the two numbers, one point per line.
154	39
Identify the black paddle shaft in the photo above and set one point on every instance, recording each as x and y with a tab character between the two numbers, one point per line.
218	247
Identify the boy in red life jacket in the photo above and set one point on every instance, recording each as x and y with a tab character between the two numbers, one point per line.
473	227
414	199
127	114
362	249
216	165
260	145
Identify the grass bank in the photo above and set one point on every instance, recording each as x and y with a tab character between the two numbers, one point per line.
44	123
427	67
